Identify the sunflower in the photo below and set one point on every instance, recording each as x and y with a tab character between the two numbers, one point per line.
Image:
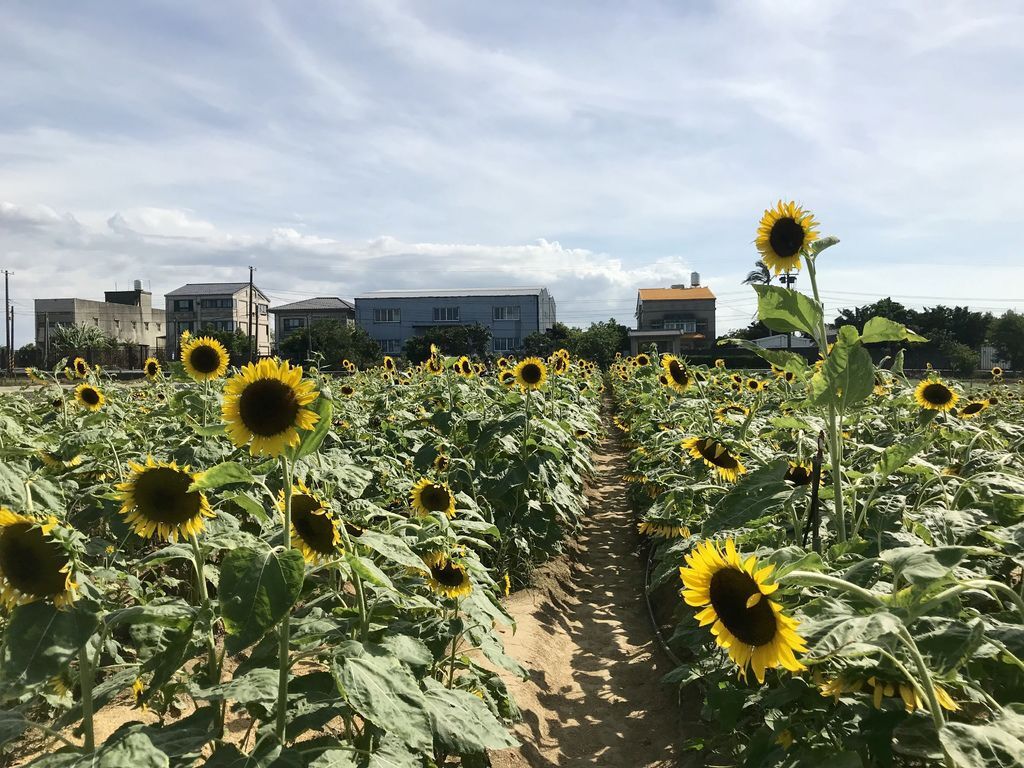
719	363
724	412
933	395
450	578
715	455
314	530
389	364
151	368
204	358
881	687
789	377
798	473
744	620
264	406
506	377
428	496
435	366
531	373
502	363
560	364
753	385
89	397
347	390
156	500
441	462
663	530
33	566
971	410
81	368
784	235
464	367
678	377
997	372
642	359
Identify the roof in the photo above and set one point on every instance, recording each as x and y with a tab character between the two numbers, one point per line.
320	303
667	332
701	292
452	294
209	289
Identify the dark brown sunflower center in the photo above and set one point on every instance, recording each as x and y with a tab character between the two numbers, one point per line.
205	358
730	590
447	574
752	385
347	390
90	396
937	394
798	475
787	237
57	404
317	531
708	448
82	368
161	495
152	368
435	498
268	407
972	408
30	563
678	373
642	360
531	373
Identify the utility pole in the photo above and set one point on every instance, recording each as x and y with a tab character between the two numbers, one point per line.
10	368
309	340
46	339
8	327
788	279
251	270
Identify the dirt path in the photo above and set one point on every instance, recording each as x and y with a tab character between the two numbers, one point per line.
594	695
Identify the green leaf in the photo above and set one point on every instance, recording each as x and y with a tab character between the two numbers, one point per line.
40	640
882	329
258	686
848	375
257	588
758	494
385	692
225	473
898	454
393	754
462	723
410	650
249	504
998	745
176	613
787	311
311	440
924	565
391	547
335	758
787	361
368	570
12	725
822	244
849	634
135	750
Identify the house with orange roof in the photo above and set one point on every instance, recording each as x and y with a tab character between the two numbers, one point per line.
678	319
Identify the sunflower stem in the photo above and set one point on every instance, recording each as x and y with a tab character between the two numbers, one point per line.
87	676
282	680
455	646
926	683
526	430
835	446
811	578
357	582
212	668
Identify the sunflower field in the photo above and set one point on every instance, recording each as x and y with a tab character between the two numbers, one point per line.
847	542
275	566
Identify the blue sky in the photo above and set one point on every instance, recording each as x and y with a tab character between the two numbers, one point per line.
593	147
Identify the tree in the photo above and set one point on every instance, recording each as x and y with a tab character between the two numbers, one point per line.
887	308
67	340
455	340
959	324
598	343
1006	334
760	275
330	341
543	343
235	342
756	330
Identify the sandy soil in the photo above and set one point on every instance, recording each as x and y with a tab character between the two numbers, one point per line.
594	695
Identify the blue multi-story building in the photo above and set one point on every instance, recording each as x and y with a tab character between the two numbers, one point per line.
511	314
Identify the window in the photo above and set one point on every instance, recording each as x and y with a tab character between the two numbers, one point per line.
686	326
219	325
291	323
186	325
506	313
505	343
387	315
262	308
391	346
446	314
217	303
182	305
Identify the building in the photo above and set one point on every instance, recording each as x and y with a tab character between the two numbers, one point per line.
197	307
125	316
289	318
785	341
677	319
511	314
